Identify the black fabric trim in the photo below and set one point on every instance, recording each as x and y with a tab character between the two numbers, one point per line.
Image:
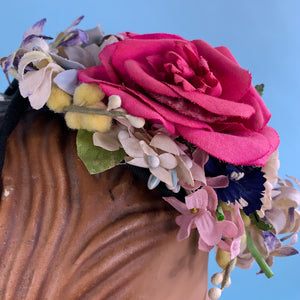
15	109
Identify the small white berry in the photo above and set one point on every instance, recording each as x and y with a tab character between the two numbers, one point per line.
217	278
114	101
214	293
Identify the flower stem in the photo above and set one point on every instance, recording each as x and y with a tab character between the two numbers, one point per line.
95	111
257	256
220	213
228	270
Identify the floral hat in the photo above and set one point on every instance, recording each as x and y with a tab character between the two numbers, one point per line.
183	114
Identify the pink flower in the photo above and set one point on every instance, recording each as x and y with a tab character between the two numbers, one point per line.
193	89
199	212
232	244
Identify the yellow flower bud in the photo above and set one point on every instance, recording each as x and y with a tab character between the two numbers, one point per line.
246	219
87	94
95	122
73	120
244	239
222	258
58	99
225	207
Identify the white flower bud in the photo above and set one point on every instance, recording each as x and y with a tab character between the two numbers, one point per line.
136	121
114	101
214	293
153	161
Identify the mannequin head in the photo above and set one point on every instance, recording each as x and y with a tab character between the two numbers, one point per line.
74	235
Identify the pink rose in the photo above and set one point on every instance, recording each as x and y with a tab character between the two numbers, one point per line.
193	89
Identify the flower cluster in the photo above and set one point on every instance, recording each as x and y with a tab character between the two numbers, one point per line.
186	112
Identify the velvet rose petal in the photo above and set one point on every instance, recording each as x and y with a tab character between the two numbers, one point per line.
220	107
130	102
234	80
244	149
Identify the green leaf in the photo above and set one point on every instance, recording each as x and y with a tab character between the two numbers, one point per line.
260	88
96	159
259	223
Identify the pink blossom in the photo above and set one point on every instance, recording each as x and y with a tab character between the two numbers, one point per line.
200	212
232	244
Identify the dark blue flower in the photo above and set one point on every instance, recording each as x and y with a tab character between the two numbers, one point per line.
246	184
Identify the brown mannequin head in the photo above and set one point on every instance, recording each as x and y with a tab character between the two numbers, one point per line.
68	234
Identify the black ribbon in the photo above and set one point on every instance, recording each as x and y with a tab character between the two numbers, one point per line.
14	110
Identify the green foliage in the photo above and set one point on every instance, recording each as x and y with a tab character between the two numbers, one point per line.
96	159
260	88
259	223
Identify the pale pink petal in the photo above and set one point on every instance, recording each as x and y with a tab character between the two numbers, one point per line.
198	173
165	143
132	147
185	223
36	85
107	140
184	174
178	205
203	246
229	229
138	162
200	157
208	229
198	199
162	174
168	161
213	199
220	181
147	150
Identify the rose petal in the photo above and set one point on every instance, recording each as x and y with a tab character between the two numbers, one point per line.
241	148
234	80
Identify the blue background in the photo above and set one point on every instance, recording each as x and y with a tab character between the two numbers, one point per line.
263	36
